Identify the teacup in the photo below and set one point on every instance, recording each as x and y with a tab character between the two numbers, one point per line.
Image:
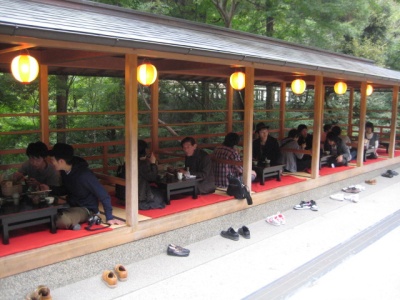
49	200
179	175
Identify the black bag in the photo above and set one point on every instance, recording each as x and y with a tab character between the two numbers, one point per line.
120	189
237	189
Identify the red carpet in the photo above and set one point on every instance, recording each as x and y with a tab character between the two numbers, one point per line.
40	236
271	183
382	152
328	171
184	203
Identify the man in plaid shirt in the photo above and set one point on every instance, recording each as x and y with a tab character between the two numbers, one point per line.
227	151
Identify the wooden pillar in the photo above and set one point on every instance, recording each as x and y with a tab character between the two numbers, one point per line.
318	111
229	106
393	122
44	104
282	111
154	116
350	116
248	126
361	125
131	137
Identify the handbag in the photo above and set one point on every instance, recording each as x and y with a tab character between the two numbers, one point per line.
237	189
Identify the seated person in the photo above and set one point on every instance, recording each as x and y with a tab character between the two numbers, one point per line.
150	197
372	139
266	147
82	188
258	126
338	131
292	160
227	151
37	170
198	163
304	136
339	150
326	129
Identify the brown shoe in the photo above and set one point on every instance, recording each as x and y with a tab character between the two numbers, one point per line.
44	292
32	296
121	272
109	278
371	181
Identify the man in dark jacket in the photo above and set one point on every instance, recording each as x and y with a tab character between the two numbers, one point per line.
82	188
338	149
266	147
198	162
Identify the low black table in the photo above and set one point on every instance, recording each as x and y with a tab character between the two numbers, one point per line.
27	214
265	171
173	186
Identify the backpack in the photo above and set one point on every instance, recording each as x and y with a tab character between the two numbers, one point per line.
120	189
237	189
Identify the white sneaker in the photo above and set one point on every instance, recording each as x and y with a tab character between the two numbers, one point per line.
353	198
273	220
338	197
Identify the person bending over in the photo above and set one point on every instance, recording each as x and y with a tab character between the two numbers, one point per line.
338	149
82	188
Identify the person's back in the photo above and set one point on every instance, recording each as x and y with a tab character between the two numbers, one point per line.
289	158
226	152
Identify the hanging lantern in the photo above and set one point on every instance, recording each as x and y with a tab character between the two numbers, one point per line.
146	74
24	68
340	87
298	86
238	80
370	89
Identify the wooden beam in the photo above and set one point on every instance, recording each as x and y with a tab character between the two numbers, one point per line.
350	115
318	112
131	136
248	126
361	125
393	122
282	111
154	115
229	106
44	104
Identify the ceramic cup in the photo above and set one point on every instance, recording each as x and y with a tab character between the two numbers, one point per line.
179	175
49	200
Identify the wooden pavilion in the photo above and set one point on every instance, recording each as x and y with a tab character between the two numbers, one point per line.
83	38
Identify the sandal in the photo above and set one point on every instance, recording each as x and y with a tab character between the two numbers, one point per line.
371	181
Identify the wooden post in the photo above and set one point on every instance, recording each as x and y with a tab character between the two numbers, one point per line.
393	122
229	106
154	115
282	111
44	104
131	137
350	116
248	126
361	125
318	111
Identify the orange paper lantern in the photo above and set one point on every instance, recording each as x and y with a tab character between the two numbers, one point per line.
298	86
340	87
24	68
238	80
146	74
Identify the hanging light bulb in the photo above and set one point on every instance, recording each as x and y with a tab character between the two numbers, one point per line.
340	87
298	86
146	74
370	89
24	68
238	80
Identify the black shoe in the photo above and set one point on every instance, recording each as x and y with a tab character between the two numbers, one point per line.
387	175
175	250
244	232
230	234
391	172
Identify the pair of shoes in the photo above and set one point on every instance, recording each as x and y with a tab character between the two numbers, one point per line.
354	189
175	250
394	173
387	175
307	205
244	232
230	234
276	220
340	197
371	181
42	292
110	278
